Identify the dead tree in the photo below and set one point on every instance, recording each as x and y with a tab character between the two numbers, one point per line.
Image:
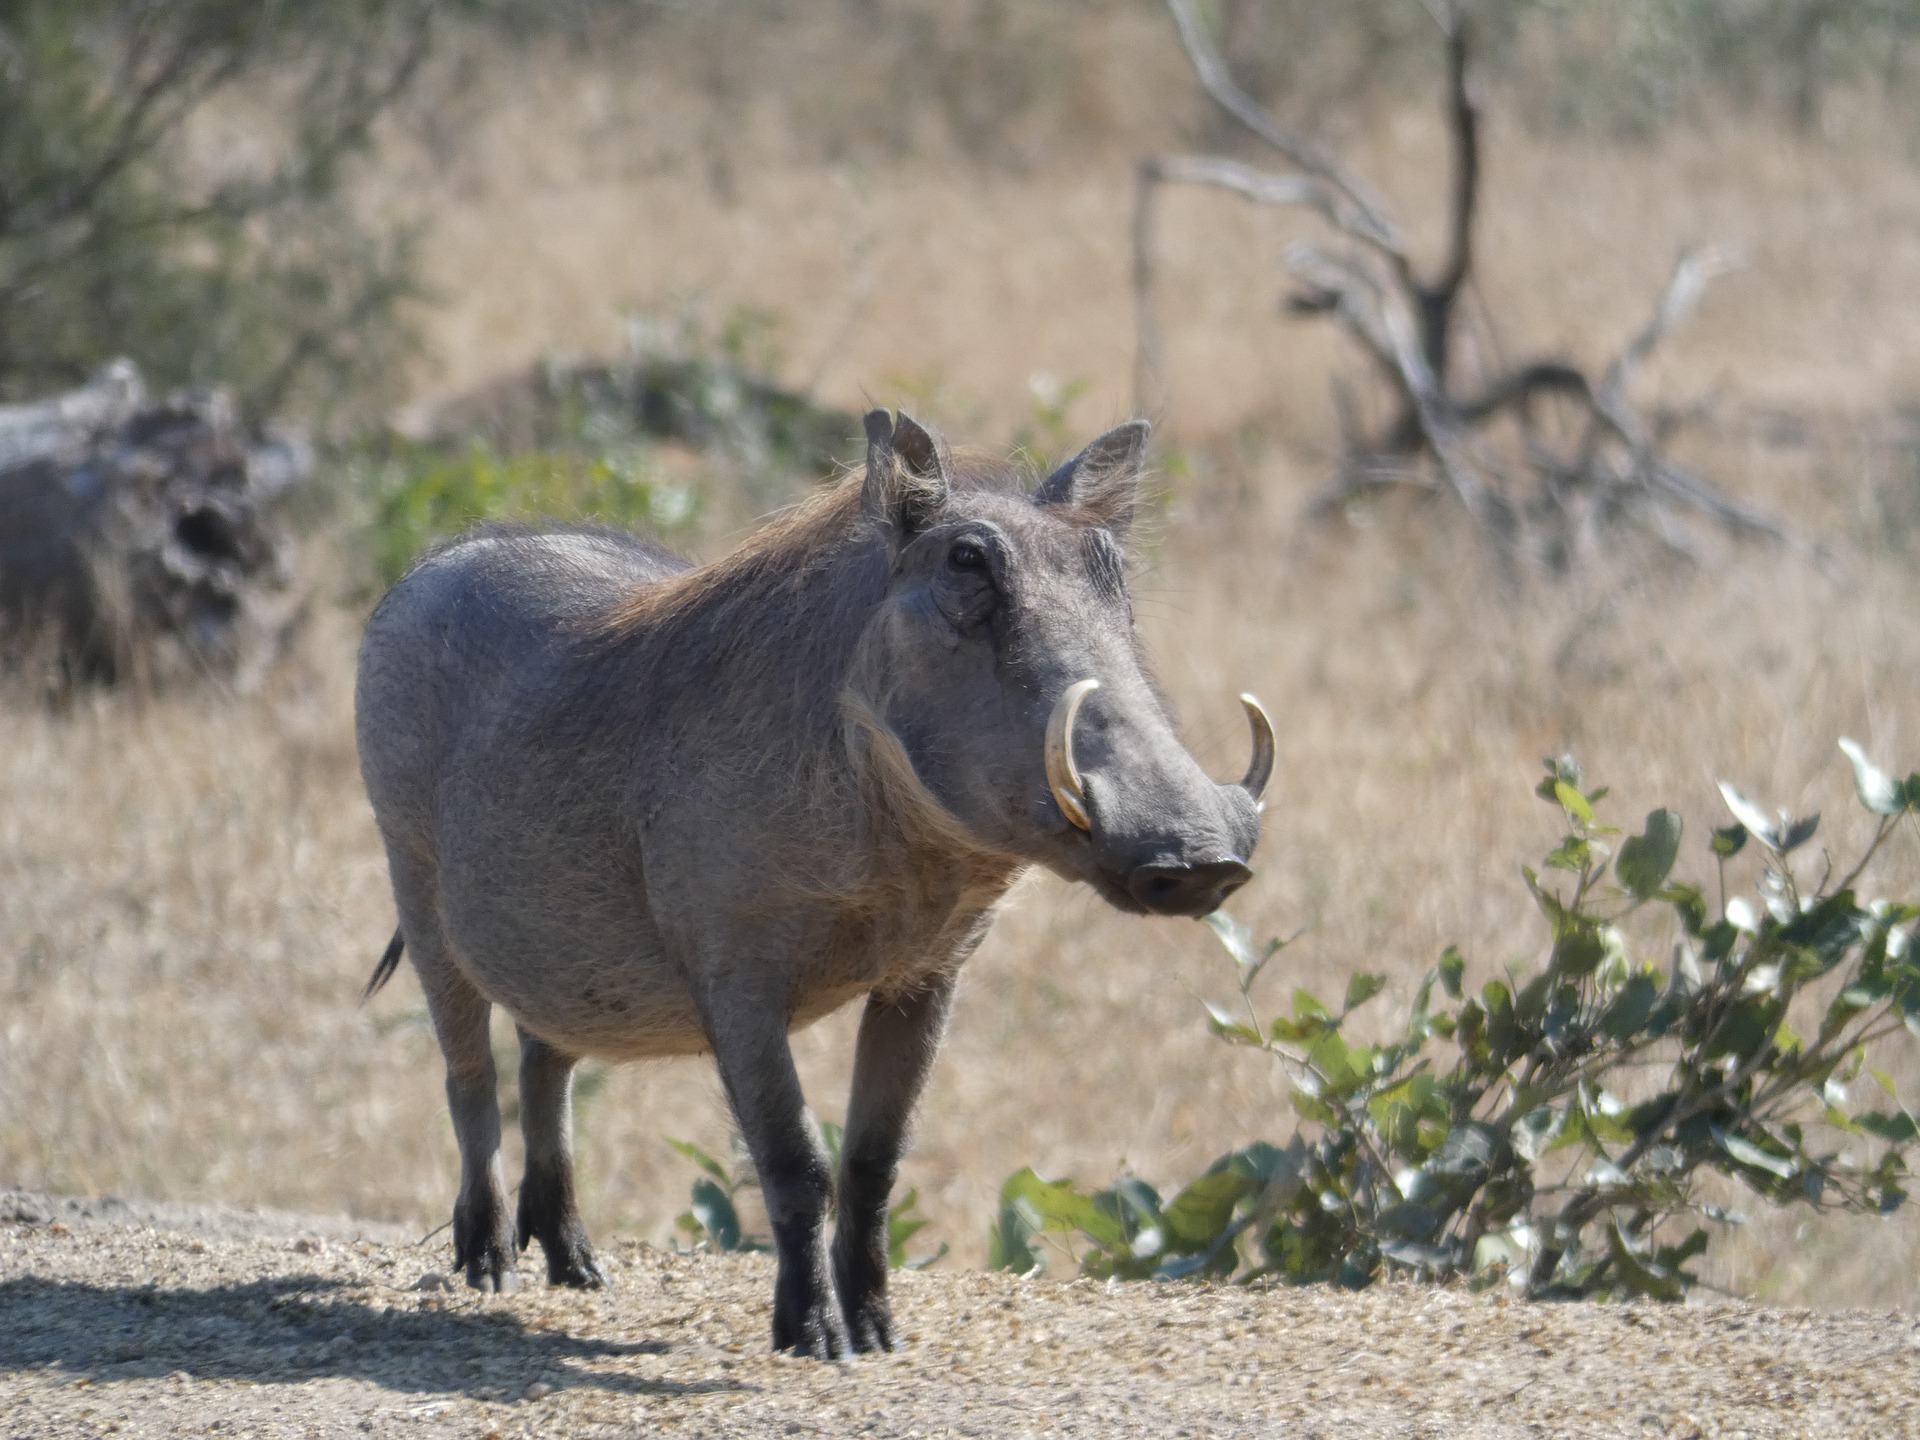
141	540
1548	495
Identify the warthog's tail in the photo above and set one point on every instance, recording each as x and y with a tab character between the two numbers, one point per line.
389	963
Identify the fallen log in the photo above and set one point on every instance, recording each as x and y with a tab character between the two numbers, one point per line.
142	541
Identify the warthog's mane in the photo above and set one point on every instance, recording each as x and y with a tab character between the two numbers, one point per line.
776	627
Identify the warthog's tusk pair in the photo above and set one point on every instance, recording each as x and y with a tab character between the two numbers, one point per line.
1063	775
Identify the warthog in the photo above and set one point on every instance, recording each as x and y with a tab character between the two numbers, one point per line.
658	809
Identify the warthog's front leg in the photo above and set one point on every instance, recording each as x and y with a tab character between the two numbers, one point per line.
548	1210
749	1039
898	1038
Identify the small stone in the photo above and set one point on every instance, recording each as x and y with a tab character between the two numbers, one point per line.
306	1246
432	1280
538	1390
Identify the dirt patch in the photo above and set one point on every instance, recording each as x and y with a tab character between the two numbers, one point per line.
167	1320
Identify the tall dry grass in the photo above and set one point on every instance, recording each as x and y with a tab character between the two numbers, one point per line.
191	890
195	892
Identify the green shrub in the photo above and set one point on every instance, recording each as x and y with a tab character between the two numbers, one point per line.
712	1219
421	495
1550	1130
578	443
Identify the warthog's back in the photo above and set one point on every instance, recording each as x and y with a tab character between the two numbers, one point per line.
475	632
475	686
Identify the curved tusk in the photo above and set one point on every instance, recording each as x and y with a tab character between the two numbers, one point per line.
1063	776
1261	769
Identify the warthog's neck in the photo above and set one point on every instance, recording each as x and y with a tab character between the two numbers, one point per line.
755	671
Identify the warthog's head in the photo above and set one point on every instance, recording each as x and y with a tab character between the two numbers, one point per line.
1005	661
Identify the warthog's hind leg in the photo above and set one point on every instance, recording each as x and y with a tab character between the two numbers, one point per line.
749	1037
898	1038
482	1233
548	1210
482	1237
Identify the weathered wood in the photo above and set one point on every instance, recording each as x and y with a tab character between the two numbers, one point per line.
142	540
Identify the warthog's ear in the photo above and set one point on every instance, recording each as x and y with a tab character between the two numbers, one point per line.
906	483
1103	479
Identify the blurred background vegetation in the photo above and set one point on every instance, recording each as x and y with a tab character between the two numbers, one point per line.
641	261
177	181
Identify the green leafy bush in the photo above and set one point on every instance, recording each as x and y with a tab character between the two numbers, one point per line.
596	442
421	494
1550	1131
712	1219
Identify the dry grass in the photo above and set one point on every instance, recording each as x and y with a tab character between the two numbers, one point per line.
195	890
191	891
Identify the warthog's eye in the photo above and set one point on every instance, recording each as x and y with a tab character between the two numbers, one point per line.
967	555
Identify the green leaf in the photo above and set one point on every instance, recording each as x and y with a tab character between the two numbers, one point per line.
1333	1061
831	1133
1502	1030
1878	791
1751	816
1579	950
1362	988
1631	1007
1646	859
1636	1276
1011	1241
1729	841
1572	801
1452	967
1567	769
1199	1214
1845	1005
713	1208
1689	904
1228	1026
1061	1207
1747	1153
1307	1006
1747	1027
701	1158
1895	1129
1828	930
1574	854
1795	833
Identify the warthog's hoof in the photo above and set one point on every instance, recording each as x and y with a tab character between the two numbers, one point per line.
483	1247
495	1278
578	1267
871	1326
807	1321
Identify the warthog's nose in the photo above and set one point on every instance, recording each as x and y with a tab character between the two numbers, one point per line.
1187	889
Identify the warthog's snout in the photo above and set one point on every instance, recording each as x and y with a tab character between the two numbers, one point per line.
1163	836
1187	889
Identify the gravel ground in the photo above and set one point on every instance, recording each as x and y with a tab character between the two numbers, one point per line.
120	1318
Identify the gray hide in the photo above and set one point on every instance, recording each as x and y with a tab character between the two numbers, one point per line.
653	809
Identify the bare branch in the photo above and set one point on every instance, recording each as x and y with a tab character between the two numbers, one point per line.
1370	210
1148	372
1554	497
1692	273
1519	386
1361	473
1463	117
1260	186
